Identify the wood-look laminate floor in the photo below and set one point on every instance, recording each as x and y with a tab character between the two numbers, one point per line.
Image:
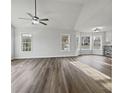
83	74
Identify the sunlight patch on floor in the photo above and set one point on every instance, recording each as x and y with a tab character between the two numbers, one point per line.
94	74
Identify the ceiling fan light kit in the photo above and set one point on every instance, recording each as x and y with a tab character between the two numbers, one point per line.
34	19
97	29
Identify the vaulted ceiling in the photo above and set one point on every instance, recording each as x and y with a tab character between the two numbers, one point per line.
65	14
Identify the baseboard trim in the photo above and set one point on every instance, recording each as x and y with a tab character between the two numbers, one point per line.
56	56
45	57
12	58
94	55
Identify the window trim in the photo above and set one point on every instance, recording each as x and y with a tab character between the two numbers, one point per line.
69	42
21	46
90	42
100	42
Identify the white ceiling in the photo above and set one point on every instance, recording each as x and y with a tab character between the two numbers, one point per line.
61	13
97	14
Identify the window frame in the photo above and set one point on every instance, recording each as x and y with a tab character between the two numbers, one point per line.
25	42
69	36
100	42
89	43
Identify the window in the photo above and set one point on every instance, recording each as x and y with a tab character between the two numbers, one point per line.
97	42
66	42
26	42
85	42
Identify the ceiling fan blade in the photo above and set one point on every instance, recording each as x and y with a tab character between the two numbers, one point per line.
25	18
45	19
43	23
30	14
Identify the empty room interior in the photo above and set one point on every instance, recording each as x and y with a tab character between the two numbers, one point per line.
61	46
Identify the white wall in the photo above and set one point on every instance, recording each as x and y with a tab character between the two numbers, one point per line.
108	38
77	43
12	42
45	43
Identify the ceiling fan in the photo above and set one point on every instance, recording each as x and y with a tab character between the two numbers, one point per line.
97	29
35	19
